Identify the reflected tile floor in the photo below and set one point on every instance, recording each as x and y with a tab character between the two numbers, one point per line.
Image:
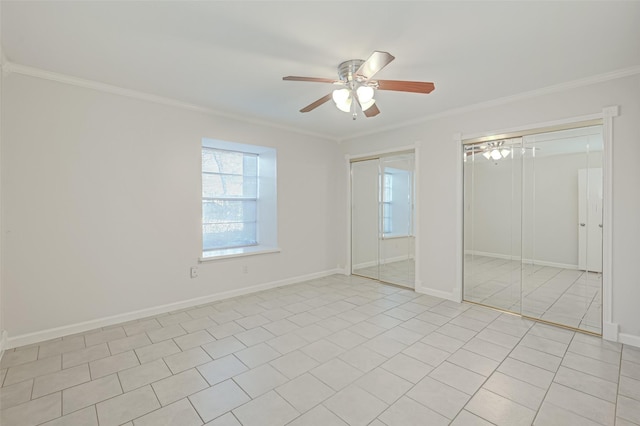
400	272
563	296
339	350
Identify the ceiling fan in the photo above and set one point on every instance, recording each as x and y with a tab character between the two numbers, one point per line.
358	86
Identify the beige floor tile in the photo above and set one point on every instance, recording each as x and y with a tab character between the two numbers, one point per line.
179	413
90	393
384	385
319	416
526	372
537	358
516	390
219	399
460	378
294	364
186	360
54	382
440	341
179	386
166	333
437	396
221	369
257	355
82	356
474	362
85	417
407	412
105	336
197	324
287	343
128	343
225	330
591	366
142	375
34	412
269	409
223	347
552	415
499	410
141	327
407	368
15	394
156	351
11	359
628	409
587	383
466	418
630	387
66	345
113	364
336	373
254	336
363	359
260	380
29	370
128	406
226	420
582	404
355	406
304	392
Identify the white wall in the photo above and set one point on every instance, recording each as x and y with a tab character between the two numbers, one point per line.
438	186
2	333
102	205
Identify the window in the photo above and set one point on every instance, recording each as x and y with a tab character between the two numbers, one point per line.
238	199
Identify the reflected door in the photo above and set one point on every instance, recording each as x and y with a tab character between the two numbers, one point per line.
382	219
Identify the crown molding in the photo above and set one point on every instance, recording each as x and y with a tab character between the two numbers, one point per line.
600	78
11	67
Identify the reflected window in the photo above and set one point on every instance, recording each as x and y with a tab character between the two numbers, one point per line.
396	203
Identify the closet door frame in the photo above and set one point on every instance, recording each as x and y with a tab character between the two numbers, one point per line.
604	118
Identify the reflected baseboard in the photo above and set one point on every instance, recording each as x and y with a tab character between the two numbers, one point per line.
525	261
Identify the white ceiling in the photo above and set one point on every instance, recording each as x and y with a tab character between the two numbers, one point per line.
231	56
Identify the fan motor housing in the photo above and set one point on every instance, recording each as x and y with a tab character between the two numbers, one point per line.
347	69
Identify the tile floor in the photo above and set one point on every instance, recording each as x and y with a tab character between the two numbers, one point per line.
564	296
334	351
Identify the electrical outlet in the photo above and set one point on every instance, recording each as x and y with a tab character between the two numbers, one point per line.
245	269
194	272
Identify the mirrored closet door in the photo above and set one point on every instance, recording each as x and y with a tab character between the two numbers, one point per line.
382	218
533	226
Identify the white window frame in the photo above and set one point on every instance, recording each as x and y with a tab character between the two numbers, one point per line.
266	220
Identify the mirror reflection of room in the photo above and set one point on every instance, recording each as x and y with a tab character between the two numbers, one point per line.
383	241
533	226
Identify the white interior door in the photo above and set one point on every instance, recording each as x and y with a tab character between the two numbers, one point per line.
590	219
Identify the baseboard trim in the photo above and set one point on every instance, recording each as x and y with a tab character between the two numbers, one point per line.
610	331
629	339
54	333
436	293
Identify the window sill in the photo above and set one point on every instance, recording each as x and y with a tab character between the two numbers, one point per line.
237	252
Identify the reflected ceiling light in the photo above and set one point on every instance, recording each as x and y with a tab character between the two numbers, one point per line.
495	151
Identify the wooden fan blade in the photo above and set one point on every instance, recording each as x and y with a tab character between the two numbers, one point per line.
312	79
406	86
372	111
316	104
374	63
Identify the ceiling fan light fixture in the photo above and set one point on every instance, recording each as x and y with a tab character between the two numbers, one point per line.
487	155
365	95
505	152
366	105
342	99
